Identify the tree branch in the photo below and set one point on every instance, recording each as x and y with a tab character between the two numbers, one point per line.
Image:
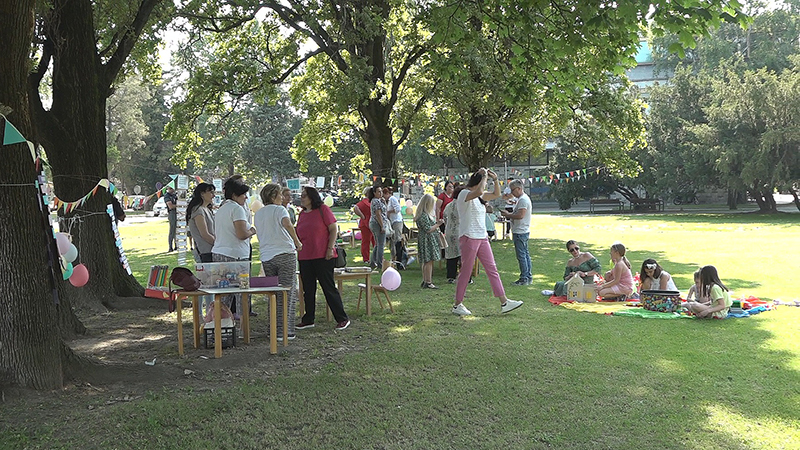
126	43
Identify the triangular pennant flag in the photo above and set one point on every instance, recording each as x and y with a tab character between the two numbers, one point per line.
12	135
584	171
374	178
558	176
33	152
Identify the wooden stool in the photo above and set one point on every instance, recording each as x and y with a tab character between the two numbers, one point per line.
376	289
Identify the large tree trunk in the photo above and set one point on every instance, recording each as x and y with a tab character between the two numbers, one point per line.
378	137
73	132
30	349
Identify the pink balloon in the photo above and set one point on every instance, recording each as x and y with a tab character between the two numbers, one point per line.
357	236
63	243
80	276
391	279
409	204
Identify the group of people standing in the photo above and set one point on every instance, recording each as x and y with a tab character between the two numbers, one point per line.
223	234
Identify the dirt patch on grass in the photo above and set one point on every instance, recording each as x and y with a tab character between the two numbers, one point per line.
133	349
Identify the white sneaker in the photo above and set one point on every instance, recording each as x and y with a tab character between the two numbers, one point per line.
461	310
510	306
547	292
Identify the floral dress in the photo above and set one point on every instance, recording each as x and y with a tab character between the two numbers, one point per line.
428	244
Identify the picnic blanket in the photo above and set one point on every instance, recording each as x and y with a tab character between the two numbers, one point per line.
631	309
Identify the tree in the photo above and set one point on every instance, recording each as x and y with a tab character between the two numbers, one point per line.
754	132
688	151
126	130
674	160
606	131
86	60
30	354
368	66
272	130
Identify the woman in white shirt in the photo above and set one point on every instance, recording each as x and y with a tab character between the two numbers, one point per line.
474	241
278	245
233	232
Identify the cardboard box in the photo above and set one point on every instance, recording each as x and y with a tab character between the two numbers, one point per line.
583	294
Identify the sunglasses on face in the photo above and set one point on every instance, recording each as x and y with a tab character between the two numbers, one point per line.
574	249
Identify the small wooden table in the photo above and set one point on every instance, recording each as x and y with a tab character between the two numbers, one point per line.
339	275
272	292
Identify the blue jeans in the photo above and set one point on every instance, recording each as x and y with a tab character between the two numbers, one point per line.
523	257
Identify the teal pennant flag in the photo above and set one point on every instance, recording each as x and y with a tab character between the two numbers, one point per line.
12	135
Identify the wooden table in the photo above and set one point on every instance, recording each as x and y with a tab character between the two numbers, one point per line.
339	275
272	292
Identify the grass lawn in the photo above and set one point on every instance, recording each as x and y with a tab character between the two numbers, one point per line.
540	377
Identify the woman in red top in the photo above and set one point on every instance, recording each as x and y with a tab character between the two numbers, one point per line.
317	231
362	210
443	199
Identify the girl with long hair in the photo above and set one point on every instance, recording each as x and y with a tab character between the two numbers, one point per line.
619	280
428	249
712	289
201	221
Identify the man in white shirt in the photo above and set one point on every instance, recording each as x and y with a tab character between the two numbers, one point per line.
520	218
393	211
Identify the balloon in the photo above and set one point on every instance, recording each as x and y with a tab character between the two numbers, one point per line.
71	253
256	205
66	269
409	203
80	275
391	279
328	201
159	185
62	240
403	209
357	236
410	210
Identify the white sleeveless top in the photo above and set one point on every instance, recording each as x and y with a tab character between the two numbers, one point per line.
656	284
471	217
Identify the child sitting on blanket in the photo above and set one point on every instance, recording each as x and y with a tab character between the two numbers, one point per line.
711	288
694	291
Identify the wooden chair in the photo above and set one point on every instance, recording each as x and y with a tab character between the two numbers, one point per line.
377	289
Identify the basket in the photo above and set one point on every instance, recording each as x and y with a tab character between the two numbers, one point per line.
228	337
661	301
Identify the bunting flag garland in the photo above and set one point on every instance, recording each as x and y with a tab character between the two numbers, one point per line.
68	207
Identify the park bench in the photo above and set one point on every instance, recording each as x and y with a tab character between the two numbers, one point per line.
647	204
612	203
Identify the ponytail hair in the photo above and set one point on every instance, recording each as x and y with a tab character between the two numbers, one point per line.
619	248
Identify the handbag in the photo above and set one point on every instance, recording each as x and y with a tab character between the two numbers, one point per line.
183	278
442	240
340	257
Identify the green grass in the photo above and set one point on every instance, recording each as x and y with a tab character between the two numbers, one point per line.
540	377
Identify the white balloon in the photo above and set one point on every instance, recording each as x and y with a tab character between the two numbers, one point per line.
256	205
71	253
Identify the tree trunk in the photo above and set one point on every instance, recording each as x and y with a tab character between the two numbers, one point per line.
29	348
73	133
378	137
732	197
